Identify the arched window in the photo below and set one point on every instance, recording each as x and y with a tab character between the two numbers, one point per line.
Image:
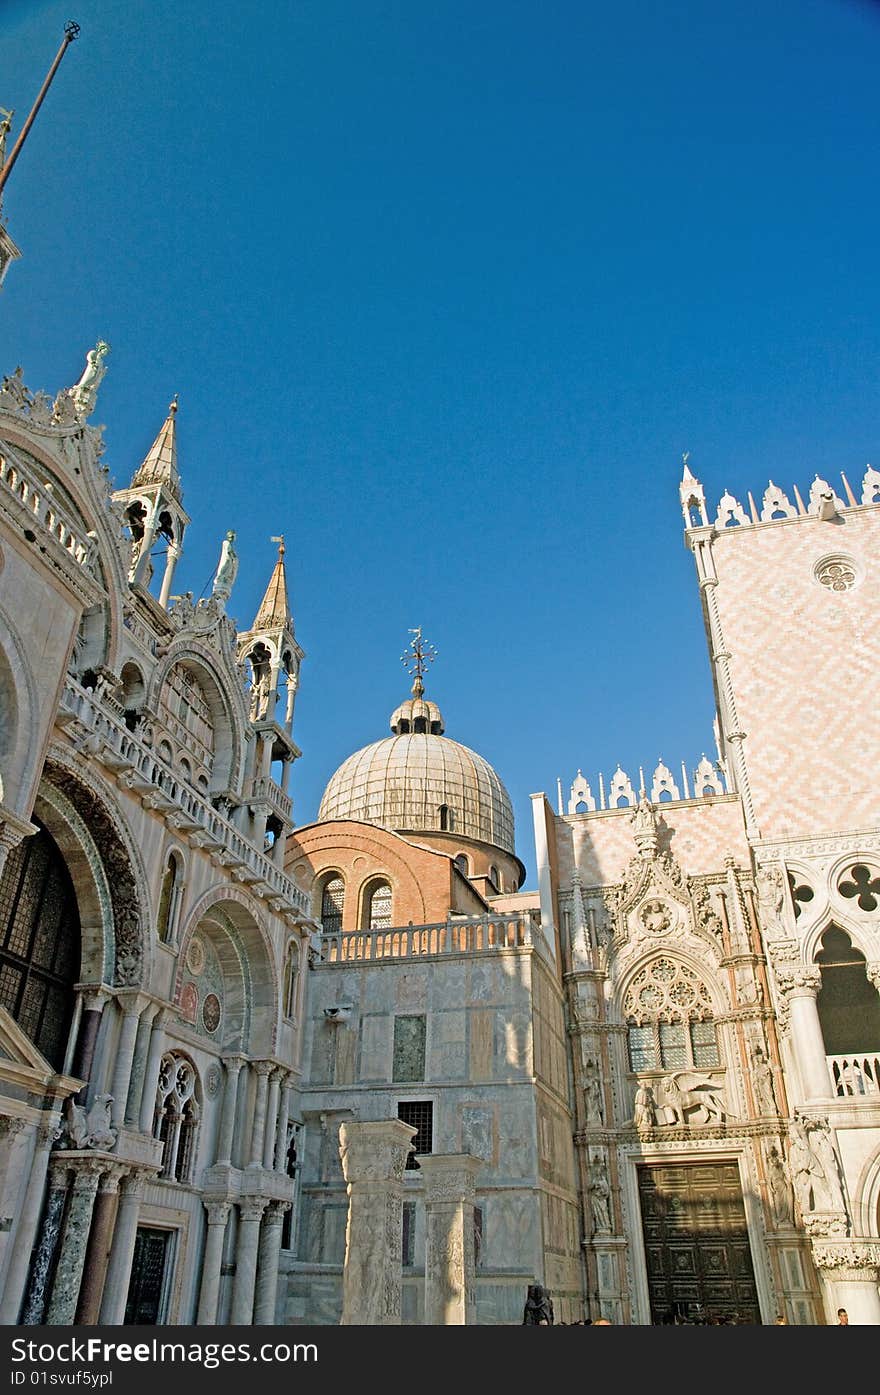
177	1117
169	899
332	905
848	1003
291	979
447	818
668	1013
494	878
39	944
461	863
377	906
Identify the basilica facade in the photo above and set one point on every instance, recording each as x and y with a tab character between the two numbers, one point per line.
153	948
353	1070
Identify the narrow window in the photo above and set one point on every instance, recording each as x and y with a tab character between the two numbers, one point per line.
379	907
332	904
291	979
408	1236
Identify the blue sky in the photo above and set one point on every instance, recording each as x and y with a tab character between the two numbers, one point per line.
446	289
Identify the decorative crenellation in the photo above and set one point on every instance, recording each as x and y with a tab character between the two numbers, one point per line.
706	781
822	502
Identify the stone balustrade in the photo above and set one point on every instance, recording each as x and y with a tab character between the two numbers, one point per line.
470	935
857	1073
266	791
148	775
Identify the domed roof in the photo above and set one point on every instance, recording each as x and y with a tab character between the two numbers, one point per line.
420	780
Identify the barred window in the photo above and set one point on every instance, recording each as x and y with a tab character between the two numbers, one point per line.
39	943
419	1114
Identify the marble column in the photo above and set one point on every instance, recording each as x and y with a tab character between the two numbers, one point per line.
74	1240
35	1300
226	1139
258	1129
850	1270
130	1004
139	1066
122	1250
218	1215
799	986
272	1119
267	1267
281	1135
449	1180
26	1230
93	1003
250	1212
373	1160
149	1084
12	1173
98	1252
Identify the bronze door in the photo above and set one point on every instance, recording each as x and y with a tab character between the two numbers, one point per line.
147	1277
697	1244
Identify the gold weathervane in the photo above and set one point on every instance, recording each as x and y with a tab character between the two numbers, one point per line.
416	658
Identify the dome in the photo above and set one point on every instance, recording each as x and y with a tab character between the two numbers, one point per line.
418	779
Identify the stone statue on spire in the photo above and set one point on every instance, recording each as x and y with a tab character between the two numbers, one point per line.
84	393
227	569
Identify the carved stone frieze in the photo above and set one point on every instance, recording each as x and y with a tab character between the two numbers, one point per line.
850	1259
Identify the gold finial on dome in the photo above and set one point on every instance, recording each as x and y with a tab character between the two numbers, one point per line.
416	658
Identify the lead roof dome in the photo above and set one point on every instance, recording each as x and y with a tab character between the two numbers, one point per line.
406	781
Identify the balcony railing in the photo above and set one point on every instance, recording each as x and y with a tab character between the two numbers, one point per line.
148	775
267	792
475	935
37	503
855	1074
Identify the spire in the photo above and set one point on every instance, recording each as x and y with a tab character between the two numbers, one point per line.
274	611
693	500
160	463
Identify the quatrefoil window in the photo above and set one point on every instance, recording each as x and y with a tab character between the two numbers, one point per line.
860	885
836	573
801	893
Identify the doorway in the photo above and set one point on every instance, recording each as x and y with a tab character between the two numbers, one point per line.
697	1244
148	1285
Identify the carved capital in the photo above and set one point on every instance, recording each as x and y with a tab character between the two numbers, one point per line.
374	1151
803	981
251	1208
873	972
449	1177
11	1126
218	1212
850	1259
275	1212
